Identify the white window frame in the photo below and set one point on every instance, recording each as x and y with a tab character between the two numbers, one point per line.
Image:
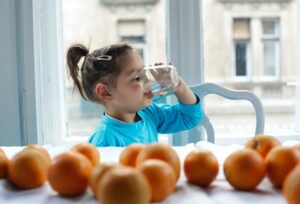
48	51
297	108
48	54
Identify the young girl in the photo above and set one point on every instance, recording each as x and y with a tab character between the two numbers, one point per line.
110	76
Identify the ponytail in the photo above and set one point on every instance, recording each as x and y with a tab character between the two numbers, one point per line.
102	65
74	54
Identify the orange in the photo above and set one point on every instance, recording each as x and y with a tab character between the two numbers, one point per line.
69	173
88	150
297	147
262	144
201	167
279	162
160	151
123	185
130	153
244	169
160	176
98	173
28	169
44	153
3	164
39	148
291	186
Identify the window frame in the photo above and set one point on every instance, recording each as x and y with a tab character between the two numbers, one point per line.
297	108
48	51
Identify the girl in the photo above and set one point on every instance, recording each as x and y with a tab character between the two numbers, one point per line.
110	76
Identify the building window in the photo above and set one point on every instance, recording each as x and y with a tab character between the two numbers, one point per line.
133	32
241	38
271	52
241	61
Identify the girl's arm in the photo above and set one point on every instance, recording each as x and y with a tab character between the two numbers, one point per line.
184	93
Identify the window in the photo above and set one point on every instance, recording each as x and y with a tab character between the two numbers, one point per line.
263	39
241	57
242	37
270	40
230	120
133	31
96	24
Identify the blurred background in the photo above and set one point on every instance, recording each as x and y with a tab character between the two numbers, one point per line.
247	45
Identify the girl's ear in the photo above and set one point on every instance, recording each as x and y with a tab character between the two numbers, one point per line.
103	92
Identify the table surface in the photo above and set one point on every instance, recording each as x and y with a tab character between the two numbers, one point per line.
219	191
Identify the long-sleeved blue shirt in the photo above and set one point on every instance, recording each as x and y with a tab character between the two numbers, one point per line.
154	119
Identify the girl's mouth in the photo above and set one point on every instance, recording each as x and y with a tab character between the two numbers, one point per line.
148	94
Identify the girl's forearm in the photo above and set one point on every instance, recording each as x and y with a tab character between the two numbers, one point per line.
184	93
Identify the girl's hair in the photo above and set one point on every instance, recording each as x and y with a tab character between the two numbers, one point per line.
102	65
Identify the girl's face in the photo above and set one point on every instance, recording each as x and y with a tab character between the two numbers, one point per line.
129	94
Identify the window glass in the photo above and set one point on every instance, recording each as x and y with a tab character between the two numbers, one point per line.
257	39
241	58
98	23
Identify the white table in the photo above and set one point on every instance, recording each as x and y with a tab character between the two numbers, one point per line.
219	192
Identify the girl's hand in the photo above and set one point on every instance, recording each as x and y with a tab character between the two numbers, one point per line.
163	79
182	91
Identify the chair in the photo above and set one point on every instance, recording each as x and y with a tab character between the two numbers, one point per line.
202	90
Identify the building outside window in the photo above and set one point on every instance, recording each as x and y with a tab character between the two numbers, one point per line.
134	32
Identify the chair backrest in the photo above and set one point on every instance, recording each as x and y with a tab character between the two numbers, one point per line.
205	89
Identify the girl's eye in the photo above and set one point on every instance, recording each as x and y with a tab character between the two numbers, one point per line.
136	78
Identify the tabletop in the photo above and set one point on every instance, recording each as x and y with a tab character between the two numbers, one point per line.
219	191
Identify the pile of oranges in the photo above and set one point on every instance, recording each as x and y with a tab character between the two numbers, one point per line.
263	156
148	173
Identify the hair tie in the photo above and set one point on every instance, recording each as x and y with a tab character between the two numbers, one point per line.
104	57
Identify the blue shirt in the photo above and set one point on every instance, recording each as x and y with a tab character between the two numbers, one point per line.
154	119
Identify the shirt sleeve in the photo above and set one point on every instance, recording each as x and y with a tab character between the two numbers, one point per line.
178	117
